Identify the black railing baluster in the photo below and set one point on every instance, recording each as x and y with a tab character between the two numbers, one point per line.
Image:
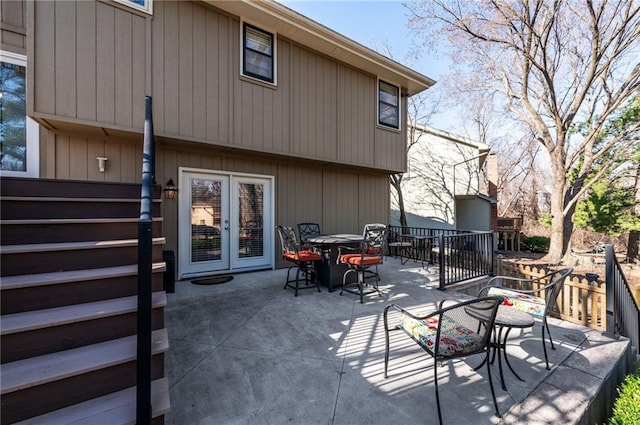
623	311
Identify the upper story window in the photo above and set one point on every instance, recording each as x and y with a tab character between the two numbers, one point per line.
258	53
145	6
19	141
388	105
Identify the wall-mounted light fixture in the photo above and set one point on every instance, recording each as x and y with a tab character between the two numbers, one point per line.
102	162
170	189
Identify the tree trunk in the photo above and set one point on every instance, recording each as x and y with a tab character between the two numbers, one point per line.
396	181
561	225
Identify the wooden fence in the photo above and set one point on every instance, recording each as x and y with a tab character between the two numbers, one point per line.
579	301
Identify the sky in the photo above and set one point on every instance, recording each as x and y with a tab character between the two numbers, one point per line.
375	22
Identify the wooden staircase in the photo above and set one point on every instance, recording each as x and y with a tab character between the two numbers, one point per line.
68	303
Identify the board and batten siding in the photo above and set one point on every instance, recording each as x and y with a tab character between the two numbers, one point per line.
13	26
95	61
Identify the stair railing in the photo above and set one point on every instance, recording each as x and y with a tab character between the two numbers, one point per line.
623	311
145	264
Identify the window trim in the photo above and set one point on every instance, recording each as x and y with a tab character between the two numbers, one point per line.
146	8
398	107
274	63
32	130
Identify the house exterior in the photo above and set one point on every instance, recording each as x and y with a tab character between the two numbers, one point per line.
443	188
261	116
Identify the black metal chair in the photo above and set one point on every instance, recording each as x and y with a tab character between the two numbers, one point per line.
302	258
306	231
458	330
364	260
535	296
400	245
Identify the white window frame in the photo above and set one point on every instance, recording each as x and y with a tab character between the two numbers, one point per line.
32	130
274	56
399	107
147	7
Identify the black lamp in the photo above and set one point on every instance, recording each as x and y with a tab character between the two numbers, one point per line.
170	190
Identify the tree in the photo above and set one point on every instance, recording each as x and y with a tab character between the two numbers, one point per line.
565	70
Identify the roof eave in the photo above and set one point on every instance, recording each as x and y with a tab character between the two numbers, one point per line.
292	25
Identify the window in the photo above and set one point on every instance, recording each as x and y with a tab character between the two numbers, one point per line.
19	145
258	54
145	6
388	105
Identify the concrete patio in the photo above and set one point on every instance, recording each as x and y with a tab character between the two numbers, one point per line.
249	352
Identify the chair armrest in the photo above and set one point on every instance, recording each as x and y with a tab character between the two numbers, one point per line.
354	250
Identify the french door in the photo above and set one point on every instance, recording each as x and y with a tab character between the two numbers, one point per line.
225	222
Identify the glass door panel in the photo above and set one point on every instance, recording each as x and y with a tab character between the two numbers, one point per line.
204	222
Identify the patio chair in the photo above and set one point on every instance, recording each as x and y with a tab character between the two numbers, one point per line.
401	246
364	260
306	231
536	296
301	258
454	331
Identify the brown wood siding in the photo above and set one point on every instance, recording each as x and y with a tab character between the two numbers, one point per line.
90	63
356	117
188	54
340	199
14	26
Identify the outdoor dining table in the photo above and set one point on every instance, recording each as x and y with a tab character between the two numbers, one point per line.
507	318
330	273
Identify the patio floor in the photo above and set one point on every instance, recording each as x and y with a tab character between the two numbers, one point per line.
249	352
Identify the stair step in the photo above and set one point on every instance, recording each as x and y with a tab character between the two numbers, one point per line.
54	278
20	186
73	246
27	373
54	230
117	408
53	257
28	207
31	320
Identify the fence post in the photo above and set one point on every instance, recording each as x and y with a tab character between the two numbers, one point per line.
441	261
610	289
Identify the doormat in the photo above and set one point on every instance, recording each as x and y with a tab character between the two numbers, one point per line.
214	280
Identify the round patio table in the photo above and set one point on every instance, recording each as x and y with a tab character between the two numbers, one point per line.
507	318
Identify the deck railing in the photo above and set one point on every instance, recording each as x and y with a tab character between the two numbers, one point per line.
145	264
459	254
623	312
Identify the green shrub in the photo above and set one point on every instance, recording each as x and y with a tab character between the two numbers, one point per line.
536	243
626	409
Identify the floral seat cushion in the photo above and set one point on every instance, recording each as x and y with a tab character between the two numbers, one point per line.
524	302
455	339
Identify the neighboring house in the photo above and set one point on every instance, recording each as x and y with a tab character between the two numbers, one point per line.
263	114
442	187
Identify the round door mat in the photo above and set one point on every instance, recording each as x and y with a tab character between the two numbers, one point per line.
213	280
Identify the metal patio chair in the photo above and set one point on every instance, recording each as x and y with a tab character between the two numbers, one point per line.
301	258
536	296
458	330
306	231
364	260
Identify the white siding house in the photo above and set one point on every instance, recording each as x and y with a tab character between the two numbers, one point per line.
442	187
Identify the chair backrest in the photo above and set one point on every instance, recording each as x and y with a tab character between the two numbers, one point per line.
375	238
556	279
465	328
288	239
308	230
